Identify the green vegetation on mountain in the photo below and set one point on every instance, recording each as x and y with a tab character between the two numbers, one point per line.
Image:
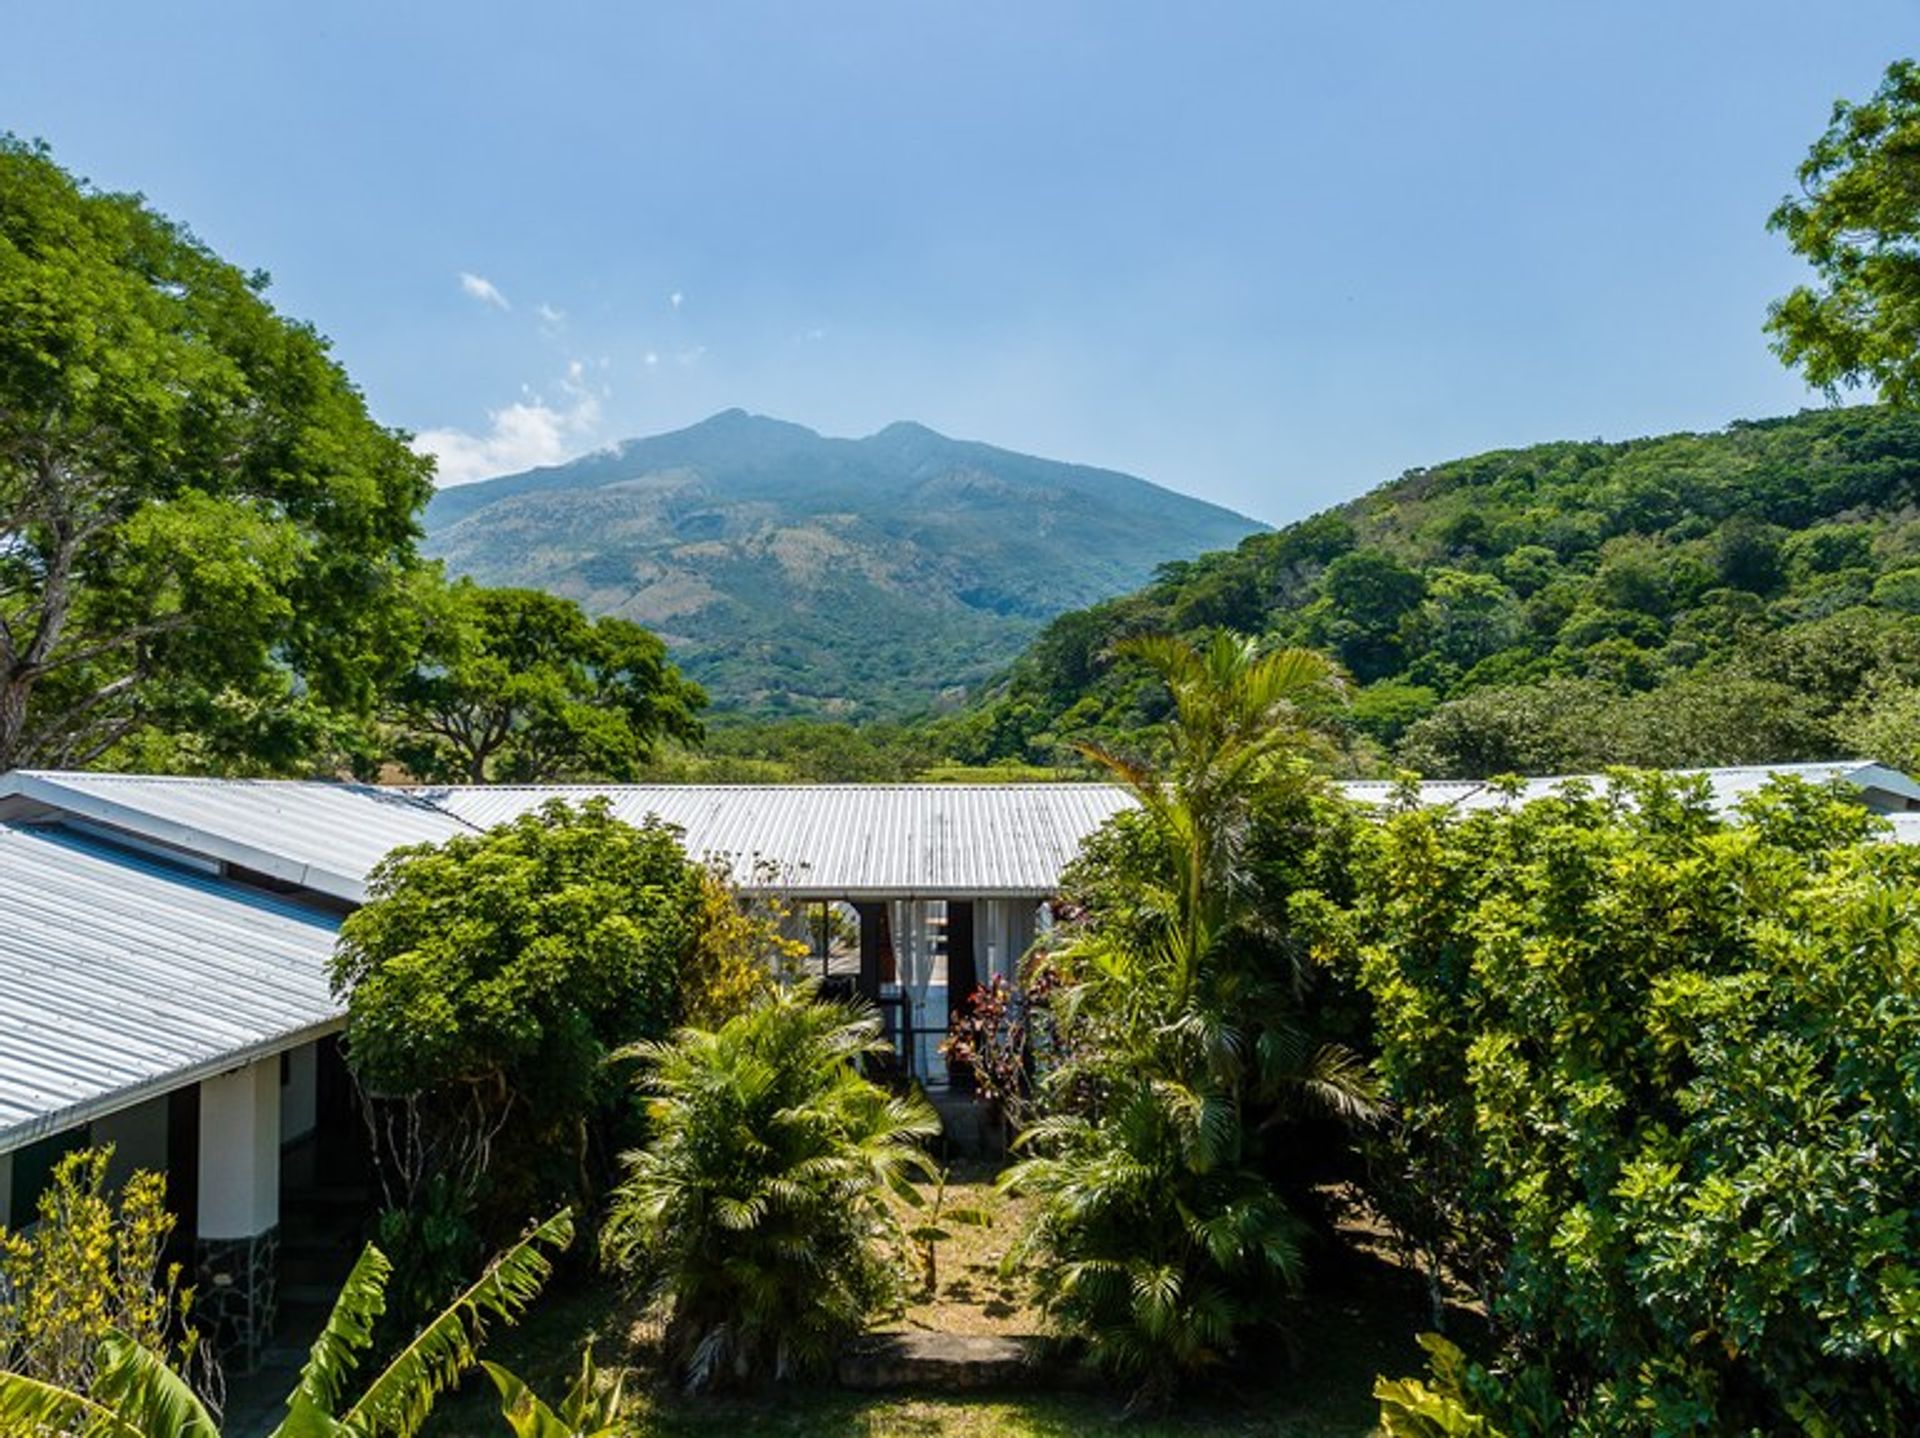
1743	596
792	574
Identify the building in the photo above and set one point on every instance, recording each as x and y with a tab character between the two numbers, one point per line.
164	946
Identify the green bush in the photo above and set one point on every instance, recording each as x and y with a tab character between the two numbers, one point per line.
759	1210
1658	1097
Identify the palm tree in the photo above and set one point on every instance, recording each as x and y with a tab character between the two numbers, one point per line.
1159	1236
759	1211
1203	977
136	1395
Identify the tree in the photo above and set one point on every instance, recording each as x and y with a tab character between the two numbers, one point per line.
201	529
1161	1236
759	1208
517	685
1857	221
138	1396
487	980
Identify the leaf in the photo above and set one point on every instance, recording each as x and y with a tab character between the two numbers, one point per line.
30	1407
398	1400
137	1385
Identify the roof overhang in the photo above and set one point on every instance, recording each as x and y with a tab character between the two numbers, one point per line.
59	1120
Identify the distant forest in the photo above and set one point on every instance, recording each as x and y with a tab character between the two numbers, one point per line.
1745	596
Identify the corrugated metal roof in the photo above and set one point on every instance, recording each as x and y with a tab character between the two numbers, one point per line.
853	840
1885	790
123	977
857	840
323	836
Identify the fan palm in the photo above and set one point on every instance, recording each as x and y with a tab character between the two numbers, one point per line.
136	1395
759	1210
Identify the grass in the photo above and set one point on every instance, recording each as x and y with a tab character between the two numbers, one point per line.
1359	1324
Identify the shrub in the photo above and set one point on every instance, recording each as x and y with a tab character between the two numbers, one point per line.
487	981
1655	1071
90	1266
759	1210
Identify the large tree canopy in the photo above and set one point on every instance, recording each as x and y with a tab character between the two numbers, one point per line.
201	528
515	684
1857	219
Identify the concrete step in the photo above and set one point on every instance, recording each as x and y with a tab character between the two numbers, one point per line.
944	1362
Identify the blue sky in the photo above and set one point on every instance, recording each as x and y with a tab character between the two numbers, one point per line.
1271	254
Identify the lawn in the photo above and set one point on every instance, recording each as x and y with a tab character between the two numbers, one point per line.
1359	1324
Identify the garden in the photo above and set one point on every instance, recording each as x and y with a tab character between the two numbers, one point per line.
1598	1114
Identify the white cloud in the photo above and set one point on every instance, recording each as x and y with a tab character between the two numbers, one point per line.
653	358
549	315
675	298
521	435
483	290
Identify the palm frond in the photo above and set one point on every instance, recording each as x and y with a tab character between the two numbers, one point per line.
348	1334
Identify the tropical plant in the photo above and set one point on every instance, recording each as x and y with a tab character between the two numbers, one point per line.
90	1265
1652	1069
1416	1408
590	1408
988	1040
1161	1236
759	1211
136	1395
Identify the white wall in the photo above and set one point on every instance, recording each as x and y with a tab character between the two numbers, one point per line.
138	1136
240	1151
300	1094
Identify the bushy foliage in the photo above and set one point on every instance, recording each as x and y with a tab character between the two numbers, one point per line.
487	981
1695	598
1856	220
91	1265
1654	1071
207	539
758	1209
740	950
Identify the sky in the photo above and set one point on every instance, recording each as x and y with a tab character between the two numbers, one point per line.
1271	254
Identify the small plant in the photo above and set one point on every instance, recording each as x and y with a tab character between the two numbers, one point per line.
930	1233
591	1408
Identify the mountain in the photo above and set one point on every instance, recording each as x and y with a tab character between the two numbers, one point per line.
1743	596
793	573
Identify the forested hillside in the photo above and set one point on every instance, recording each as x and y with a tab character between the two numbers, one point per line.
1742	596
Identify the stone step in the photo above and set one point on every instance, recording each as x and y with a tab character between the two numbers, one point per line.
945	1362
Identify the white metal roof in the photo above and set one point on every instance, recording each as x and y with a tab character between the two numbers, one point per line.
123	977
323	836
1884	790
851	840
